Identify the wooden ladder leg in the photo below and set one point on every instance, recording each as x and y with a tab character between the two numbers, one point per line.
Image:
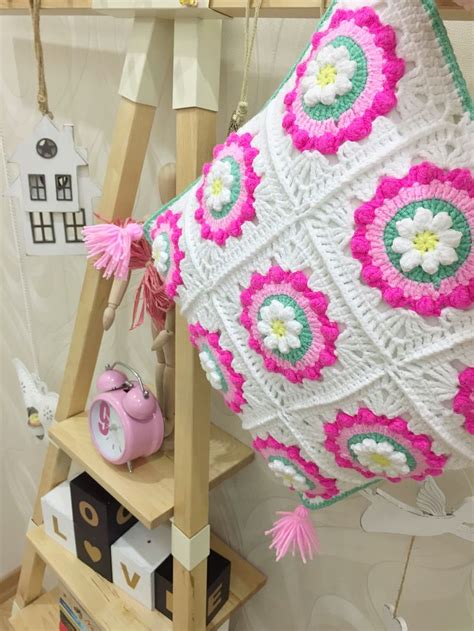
146	61
198	41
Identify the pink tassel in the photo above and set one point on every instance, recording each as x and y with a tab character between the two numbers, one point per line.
294	529
112	244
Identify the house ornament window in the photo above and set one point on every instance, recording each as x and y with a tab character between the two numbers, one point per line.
46	148
63	188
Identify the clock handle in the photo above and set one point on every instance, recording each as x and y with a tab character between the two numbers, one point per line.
145	392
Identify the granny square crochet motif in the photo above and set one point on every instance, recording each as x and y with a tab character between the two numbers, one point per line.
325	259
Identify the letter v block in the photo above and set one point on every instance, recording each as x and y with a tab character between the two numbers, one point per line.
57	516
135	557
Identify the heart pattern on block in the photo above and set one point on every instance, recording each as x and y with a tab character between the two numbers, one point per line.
94	552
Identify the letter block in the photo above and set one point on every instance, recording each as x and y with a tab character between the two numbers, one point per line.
57	516
218	585
135	557
99	520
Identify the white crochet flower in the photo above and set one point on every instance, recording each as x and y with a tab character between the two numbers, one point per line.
160	253
328	76
210	368
426	240
279	327
381	457
290	476
217	192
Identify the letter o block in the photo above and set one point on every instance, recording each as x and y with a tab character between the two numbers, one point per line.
99	520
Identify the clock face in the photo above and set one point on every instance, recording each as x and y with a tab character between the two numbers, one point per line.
107	429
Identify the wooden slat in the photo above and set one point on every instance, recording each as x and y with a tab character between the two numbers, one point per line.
30	584
233	8
55	470
148	492
113	609
127	152
42	615
270	8
195	138
129	143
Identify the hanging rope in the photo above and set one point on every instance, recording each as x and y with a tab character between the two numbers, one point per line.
240	113
402	583
42	97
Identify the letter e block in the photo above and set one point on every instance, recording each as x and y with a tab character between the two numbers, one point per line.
218	585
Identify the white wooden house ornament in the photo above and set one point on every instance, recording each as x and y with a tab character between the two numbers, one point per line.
54	190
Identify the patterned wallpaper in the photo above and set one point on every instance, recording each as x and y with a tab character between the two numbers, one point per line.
345	588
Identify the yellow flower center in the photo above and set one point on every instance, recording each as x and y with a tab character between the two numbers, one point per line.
216	187
278	328
326	75
288	478
382	461
425	241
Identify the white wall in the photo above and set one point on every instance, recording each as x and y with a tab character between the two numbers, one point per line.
346	586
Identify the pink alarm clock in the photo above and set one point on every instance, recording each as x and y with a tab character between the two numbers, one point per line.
125	419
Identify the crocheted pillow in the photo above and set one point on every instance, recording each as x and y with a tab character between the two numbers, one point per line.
325	261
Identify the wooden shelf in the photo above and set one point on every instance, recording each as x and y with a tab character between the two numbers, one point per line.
42	615
311	8
171	8
148	492
109	606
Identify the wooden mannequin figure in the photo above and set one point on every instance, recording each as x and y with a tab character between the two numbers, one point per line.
163	341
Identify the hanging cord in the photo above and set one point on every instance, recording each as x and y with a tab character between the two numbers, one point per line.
42	97
240	113
400	589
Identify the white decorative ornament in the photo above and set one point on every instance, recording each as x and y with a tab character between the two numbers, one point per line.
427	241
54	190
289	475
160	253
381	458
279	327
219	182
328	75
391	622
39	402
429	518
210	368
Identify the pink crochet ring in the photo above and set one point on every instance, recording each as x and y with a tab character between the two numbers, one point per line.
414	239
377	446
217	364
297	473
288	325
347	80
226	195
464	400
166	253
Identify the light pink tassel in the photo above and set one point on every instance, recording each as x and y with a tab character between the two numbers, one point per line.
294	529
112	244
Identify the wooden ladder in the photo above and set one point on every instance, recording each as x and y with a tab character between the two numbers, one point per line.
166	484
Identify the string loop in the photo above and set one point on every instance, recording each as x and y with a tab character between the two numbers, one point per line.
240	113
42	96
